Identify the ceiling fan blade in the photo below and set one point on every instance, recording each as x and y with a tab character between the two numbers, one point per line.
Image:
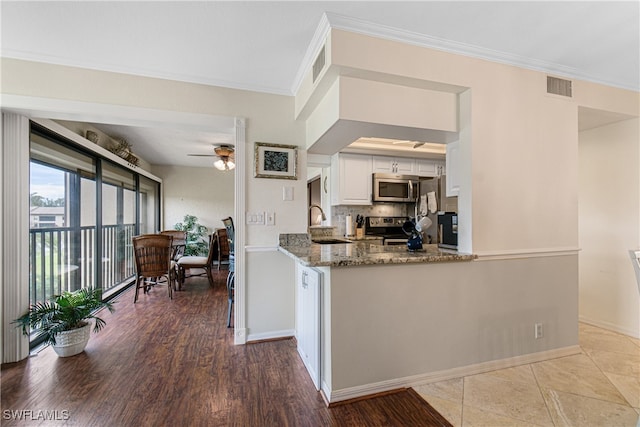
203	155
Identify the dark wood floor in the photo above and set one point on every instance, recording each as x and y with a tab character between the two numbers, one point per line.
173	363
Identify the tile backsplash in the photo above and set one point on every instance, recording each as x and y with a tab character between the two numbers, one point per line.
339	213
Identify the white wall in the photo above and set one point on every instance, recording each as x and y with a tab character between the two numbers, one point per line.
206	193
609	225
272	279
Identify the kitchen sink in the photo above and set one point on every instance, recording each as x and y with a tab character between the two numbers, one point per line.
330	241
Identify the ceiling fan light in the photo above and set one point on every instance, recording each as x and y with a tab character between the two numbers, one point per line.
219	164
224	164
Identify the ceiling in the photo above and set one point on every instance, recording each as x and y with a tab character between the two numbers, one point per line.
265	46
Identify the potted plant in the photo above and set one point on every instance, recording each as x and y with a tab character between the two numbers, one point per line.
197	241
64	319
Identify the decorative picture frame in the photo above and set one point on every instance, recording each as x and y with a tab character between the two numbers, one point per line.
276	161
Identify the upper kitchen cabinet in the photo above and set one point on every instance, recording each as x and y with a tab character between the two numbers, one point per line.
393	165
408	166
351	179
424	167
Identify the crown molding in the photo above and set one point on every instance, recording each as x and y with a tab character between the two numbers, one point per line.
331	20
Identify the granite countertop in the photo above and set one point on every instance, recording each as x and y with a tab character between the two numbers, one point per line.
300	247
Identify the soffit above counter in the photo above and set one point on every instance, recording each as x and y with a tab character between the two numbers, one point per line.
355	108
342	135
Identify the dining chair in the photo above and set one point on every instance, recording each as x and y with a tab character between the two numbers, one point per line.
228	224
152	254
223	247
179	242
203	262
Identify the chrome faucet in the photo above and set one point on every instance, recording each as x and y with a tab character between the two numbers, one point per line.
324	217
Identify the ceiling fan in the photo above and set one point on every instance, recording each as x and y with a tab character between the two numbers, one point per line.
225	154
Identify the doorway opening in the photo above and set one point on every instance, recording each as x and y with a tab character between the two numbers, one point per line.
314	197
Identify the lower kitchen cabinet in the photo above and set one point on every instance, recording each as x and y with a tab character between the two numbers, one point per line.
308	319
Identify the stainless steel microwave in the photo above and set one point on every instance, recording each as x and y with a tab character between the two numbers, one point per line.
391	187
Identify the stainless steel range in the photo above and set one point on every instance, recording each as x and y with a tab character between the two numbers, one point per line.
387	227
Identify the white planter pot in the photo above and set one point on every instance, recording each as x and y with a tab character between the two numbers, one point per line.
70	343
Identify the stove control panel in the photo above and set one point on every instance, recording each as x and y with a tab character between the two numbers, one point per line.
386	221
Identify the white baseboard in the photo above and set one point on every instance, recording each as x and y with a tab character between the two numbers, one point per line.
286	333
447	374
610	326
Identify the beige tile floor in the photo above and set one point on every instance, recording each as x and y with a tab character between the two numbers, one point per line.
598	387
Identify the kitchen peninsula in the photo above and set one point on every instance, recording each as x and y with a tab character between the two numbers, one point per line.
367	315
361	252
372	318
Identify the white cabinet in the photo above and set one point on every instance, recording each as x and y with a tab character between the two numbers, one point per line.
425	167
408	166
453	168
308	319
350	179
386	164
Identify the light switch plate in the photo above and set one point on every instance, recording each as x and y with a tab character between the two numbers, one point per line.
287	193
255	218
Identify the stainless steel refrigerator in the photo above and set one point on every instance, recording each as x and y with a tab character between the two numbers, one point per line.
431	200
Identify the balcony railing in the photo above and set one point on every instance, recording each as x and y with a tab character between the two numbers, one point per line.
64	259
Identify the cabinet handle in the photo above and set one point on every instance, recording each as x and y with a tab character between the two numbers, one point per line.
325	184
304	280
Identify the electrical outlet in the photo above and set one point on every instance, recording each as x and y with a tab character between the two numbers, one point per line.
539	333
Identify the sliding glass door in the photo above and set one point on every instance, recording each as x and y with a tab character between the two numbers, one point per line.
61	232
84	212
149	205
118	224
